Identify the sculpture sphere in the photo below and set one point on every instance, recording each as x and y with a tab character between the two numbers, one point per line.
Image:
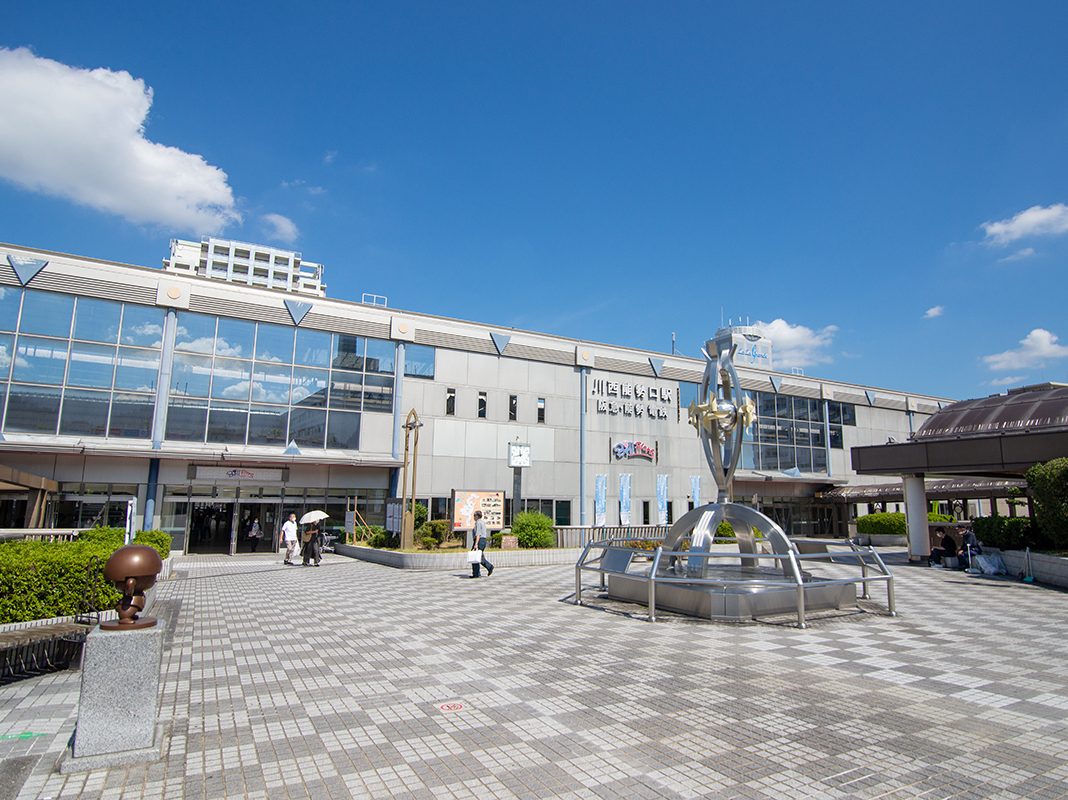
132	570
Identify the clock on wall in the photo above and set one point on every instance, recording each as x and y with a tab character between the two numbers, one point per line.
518	454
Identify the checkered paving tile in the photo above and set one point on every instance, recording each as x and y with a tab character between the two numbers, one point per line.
287	682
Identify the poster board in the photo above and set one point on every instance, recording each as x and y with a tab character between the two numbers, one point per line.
394	514
465	503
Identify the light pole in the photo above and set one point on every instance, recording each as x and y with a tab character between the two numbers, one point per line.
411	452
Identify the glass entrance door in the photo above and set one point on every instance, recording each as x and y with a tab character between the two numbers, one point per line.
265	511
210	527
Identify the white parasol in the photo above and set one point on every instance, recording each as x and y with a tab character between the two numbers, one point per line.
313	516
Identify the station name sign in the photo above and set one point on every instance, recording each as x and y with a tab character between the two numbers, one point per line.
616	398
628	450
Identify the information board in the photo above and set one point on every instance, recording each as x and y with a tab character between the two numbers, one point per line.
465	503
394	514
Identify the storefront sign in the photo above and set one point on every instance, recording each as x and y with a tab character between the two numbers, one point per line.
466	503
628	450
252	474
616	398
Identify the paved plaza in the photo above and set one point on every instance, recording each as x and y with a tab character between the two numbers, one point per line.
327	683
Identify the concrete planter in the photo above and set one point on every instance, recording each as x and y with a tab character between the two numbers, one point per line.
1051	570
458	561
883	540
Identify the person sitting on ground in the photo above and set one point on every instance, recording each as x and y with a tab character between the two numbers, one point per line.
947	547
970	548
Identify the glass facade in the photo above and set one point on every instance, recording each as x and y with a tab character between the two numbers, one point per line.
788	432
78	366
238	382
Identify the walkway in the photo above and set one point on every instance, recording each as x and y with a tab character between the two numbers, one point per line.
327	683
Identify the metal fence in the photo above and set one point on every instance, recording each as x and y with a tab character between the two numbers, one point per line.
582	535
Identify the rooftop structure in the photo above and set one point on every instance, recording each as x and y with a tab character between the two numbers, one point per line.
247	263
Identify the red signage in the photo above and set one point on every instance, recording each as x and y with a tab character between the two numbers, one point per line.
627	450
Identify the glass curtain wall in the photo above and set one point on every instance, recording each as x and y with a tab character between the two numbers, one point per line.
78	366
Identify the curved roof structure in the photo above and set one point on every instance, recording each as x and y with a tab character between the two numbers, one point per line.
997	436
1030	409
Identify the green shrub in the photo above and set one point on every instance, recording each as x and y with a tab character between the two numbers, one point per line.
1007	533
1048	484
438	529
725	530
495	539
48	579
933	516
160	540
886	524
379	537
420	514
533	530
112	537
427	542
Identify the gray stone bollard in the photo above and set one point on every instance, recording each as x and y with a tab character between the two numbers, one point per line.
120	691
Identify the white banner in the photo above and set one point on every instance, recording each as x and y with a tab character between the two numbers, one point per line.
624	498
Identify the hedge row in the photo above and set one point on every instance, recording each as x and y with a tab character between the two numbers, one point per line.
892	523
39	580
1010	533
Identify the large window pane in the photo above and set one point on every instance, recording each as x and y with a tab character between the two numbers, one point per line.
836	437
804	459
419	361
313	348
563	511
231	379
815	410
270	382
765	404
274	343
834	413
195	333
226	423
307	427
348	352
85	413
142	326
768	457
787	458
46	313
783	407
186	420
40	360
137	370
10	297
378	393
380	355
131	416
819	460
346	390
32	409
191	376
849	414
343	432
309	387
267	425
97	320
234	338
91	365
7	344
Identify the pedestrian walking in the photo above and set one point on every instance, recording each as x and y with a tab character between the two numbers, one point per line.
481	537
289	538
255	533
312	551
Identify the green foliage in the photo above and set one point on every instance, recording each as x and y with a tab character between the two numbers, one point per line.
885	524
495	539
420	513
427	542
438	529
1007	533
533	530
111	537
725	530
160	540
933	516
380	538
1049	490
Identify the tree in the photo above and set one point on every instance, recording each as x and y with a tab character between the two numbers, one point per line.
1049	489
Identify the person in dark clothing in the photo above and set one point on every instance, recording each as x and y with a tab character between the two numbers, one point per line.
312	544
947	547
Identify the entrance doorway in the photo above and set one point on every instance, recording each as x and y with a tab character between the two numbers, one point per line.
210	527
267	515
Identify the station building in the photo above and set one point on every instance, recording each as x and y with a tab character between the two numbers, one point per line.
212	400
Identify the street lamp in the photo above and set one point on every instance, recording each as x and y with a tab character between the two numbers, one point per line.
411	424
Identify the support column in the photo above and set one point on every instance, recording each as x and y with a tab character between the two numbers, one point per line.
163	388
583	373
916	517
827	437
398	399
150	494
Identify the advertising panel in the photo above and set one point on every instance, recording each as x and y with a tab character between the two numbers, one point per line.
600	497
695	490
661	499
624	498
465	503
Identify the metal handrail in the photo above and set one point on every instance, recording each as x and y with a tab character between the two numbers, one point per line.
793	580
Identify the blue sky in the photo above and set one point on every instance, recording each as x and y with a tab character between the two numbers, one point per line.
884	185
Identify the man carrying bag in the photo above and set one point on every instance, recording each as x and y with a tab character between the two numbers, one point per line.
477	556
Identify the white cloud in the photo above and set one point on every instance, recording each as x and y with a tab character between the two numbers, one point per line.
1034	221
1008	380
1019	255
329	157
933	311
1038	347
79	134
798	345
280	228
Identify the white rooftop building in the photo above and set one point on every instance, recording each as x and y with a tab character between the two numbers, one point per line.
250	264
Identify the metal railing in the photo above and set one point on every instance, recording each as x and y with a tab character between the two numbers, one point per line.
581	535
41	534
866	558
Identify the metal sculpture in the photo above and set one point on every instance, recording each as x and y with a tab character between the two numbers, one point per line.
132	570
